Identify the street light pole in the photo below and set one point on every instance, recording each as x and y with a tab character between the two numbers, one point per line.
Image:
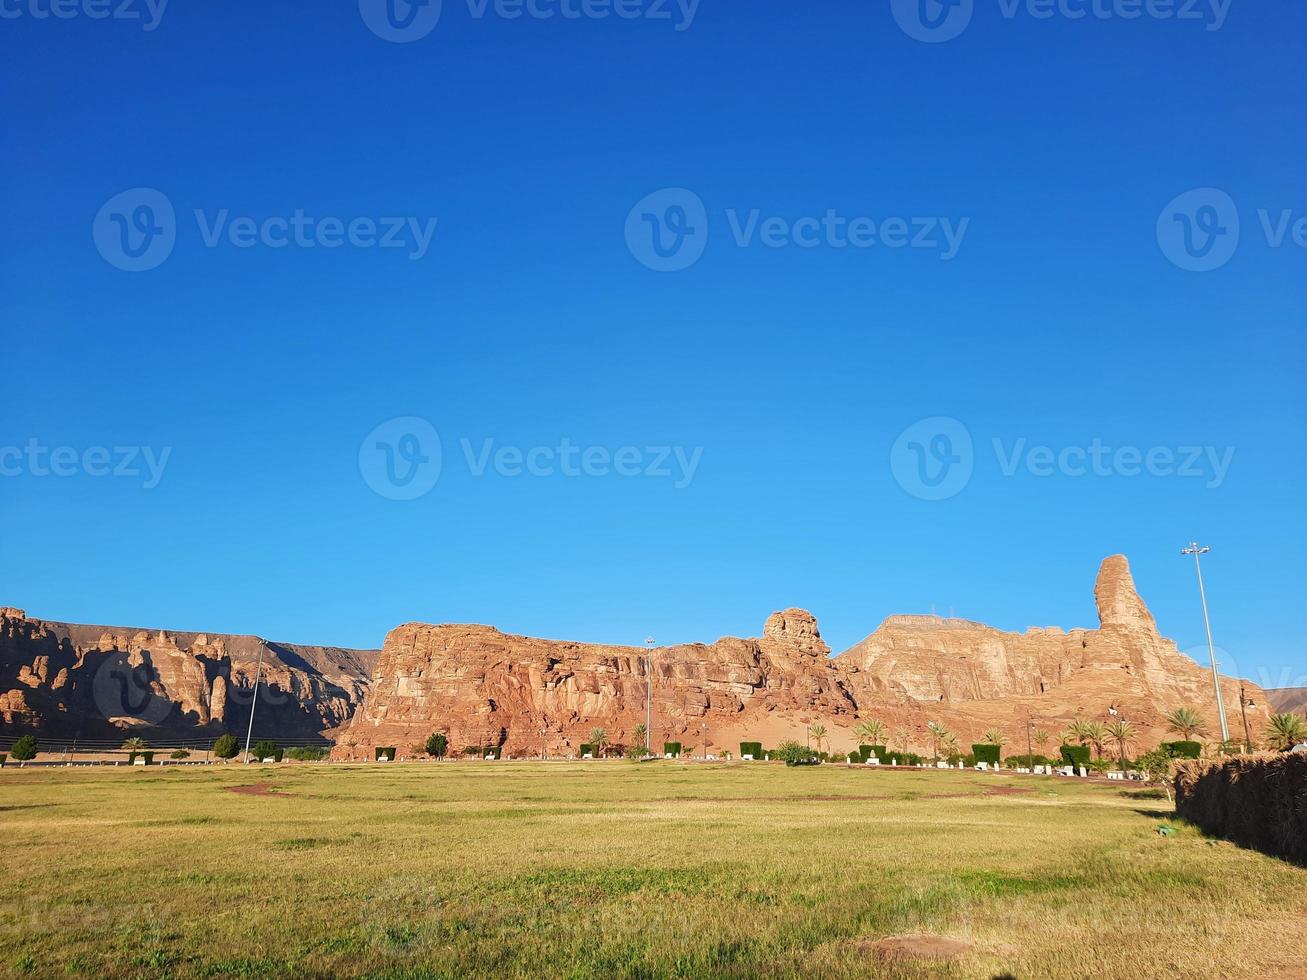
1195	549
648	695
258	670
1243	710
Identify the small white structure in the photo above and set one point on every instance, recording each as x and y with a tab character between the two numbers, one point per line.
982	766
1116	775
1083	772
873	761
941	764
747	757
588	755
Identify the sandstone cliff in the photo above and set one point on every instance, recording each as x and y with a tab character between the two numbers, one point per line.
482	687
103	681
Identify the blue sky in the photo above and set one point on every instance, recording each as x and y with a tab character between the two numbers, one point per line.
1064	319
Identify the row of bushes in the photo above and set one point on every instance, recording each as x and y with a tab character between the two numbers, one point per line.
1259	801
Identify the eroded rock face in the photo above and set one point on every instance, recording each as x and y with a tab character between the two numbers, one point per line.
484	687
971	677
98	681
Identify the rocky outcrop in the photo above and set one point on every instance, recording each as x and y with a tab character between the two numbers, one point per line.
100	681
971	677
484	687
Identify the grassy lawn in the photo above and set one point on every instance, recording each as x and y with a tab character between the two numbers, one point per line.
615	869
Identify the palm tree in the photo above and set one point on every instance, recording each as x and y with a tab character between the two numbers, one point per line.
871	731
1284	731
993	736
1080	730
1122	734
817	733
1040	738
902	736
1097	735
1186	723
134	744
639	736
598	741
938	735
951	743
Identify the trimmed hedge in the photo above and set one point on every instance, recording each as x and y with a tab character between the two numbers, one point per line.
1075	755
672	748
751	748
386	752
1028	761
902	758
1183	750
985	752
1257	801
587	749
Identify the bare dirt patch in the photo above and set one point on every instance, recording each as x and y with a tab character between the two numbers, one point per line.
918	946
256	789
989	791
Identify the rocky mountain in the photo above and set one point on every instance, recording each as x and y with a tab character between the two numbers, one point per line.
1288	699
99	682
481	686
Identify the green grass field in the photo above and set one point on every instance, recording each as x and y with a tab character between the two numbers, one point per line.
617	869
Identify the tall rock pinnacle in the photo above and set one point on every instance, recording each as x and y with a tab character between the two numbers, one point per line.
1119	605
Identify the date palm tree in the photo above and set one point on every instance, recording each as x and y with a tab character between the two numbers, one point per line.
938	735
1122	734
134	744
993	736
598	741
871	731
1185	722
1284	731
817	734
1040	738
639	735
1080	730
1097	735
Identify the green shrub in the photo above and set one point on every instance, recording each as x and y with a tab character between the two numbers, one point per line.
180	754
386	752
985	752
24	749
672	749
472	750
586	749
3	757
751	748
1183	750
1075	755
226	747
265	748
437	745
902	758
795	754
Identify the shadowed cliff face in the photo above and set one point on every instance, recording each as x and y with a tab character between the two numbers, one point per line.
63	679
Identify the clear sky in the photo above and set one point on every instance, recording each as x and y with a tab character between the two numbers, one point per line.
789	362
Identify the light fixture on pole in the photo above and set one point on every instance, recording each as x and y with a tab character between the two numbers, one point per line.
1195	549
254	703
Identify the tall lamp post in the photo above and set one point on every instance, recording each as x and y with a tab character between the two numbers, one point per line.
648	695
258	671
1195	549
1245	703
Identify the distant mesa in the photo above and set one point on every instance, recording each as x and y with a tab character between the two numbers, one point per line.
525	695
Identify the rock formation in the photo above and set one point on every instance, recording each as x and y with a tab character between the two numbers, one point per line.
484	687
101	681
